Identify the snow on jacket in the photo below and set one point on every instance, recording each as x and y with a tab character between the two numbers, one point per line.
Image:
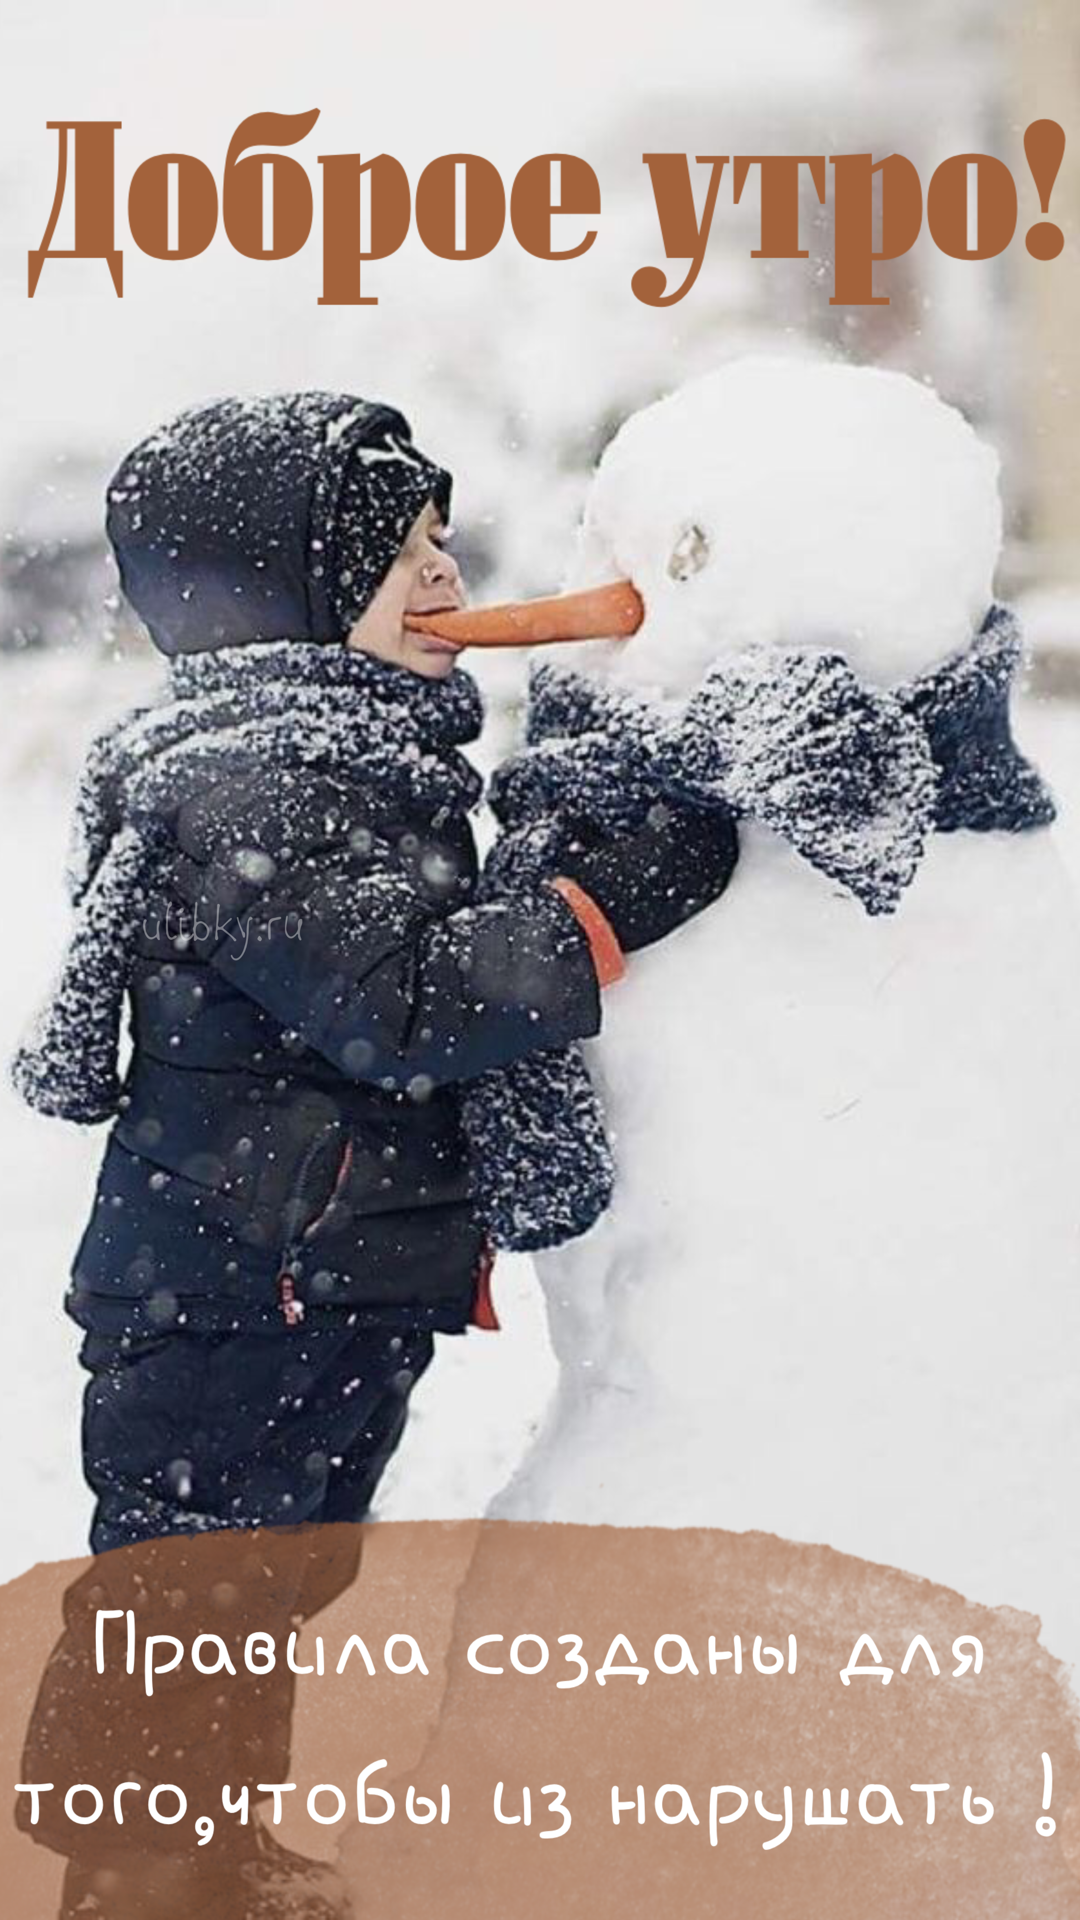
295	1107
314	983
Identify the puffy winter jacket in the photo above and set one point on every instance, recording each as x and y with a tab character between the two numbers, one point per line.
290	1126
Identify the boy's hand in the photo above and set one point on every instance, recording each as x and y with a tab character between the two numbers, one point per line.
649	882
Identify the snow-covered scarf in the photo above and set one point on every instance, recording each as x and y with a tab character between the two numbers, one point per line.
854	777
540	1165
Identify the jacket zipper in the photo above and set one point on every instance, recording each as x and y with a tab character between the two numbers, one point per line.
290	1308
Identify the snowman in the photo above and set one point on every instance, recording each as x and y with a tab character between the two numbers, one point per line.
836	1296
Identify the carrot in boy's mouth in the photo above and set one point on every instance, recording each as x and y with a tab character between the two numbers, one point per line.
597	613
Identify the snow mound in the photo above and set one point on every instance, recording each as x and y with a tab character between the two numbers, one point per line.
795	502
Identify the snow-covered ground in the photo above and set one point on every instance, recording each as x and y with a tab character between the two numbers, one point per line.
474	1412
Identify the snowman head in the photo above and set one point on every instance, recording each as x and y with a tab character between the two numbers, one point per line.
777	501
794	502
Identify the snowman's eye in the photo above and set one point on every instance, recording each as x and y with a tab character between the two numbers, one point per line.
689	554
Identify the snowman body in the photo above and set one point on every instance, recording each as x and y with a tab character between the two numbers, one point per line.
836	1296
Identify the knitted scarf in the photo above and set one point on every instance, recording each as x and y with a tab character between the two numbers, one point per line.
854	777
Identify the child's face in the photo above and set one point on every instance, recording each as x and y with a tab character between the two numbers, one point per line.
423	579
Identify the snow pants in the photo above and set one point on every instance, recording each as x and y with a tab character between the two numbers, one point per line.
210	1456
182	1433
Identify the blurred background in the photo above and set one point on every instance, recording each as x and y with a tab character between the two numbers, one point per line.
515	373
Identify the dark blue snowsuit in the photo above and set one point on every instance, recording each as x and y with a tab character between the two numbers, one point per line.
289	1136
252	1176
283	1217
285	1212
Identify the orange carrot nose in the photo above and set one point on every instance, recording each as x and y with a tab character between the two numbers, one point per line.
599	613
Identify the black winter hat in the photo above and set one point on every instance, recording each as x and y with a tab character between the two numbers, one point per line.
268	519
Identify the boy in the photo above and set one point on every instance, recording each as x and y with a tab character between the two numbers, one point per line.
279	880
